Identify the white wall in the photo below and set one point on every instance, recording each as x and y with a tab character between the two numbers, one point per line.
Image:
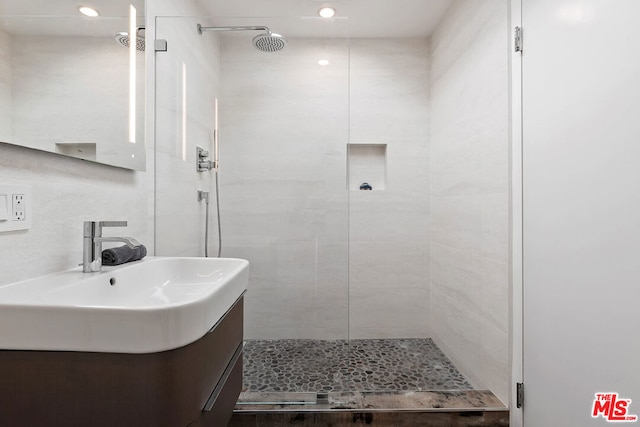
389	229
470	191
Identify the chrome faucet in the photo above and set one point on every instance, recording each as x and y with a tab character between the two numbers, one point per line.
92	243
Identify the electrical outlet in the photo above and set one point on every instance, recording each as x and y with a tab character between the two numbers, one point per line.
18	207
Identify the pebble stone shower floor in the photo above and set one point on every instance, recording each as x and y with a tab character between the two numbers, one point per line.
341	365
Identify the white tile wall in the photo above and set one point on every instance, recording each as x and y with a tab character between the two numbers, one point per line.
389	229
470	191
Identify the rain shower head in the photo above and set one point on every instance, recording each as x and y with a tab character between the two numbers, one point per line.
125	40
265	42
269	42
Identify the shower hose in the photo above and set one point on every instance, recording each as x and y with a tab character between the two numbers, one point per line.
206	223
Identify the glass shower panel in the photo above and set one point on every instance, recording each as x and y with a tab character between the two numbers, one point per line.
389	168
283	133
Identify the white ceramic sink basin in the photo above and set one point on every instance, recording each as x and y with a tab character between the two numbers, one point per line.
148	306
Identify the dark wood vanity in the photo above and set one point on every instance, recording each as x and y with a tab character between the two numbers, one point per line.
195	385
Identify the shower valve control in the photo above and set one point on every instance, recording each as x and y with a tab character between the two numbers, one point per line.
202	162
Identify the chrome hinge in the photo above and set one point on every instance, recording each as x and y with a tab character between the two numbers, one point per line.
519	395
160	45
517	39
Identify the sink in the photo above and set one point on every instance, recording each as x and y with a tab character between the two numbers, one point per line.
147	306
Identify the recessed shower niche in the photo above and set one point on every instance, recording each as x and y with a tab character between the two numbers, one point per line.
366	166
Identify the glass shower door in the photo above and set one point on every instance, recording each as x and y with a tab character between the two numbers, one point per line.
283	133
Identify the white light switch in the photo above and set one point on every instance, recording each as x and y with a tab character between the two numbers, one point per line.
4	210
15	207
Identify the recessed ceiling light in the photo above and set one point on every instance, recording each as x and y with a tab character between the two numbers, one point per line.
323	62
88	11
327	12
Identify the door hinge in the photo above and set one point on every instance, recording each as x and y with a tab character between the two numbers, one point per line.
160	45
517	39
519	395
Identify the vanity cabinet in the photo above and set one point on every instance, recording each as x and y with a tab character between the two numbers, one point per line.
195	385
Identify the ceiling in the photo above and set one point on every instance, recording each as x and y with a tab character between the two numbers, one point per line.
110	8
293	18
355	18
33	17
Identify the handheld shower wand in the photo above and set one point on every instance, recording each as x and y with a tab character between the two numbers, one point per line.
216	145
216	168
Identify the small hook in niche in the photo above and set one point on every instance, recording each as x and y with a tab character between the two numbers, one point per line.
365	186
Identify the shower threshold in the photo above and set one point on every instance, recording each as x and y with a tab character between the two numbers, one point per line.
430	401
478	408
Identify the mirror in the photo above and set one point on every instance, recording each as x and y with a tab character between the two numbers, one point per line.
69	84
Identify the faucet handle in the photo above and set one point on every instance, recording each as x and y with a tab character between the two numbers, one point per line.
113	223
94	228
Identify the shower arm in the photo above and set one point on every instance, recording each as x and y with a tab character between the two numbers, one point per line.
259	28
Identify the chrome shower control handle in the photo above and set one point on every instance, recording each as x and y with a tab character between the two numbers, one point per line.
202	164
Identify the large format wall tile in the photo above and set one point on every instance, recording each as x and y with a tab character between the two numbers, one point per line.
389	229
470	191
